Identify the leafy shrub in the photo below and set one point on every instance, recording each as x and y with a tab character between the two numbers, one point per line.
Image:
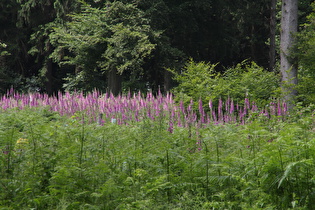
306	91
247	79
195	81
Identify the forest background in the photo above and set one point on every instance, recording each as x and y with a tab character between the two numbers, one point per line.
197	47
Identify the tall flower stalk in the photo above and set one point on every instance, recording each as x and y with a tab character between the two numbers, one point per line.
129	108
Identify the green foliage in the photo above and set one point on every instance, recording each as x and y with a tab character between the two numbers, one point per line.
306	55
195	81
200	80
98	40
53	162
7	77
3	51
249	80
305	89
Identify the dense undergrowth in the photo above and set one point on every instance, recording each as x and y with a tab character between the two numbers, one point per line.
49	161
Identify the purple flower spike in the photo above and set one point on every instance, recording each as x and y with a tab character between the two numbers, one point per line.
171	127
201	112
247	104
210	105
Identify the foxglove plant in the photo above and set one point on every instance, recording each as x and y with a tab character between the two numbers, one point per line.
136	107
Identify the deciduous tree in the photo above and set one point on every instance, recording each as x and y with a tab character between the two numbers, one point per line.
110	40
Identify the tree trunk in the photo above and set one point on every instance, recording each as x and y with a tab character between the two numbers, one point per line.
272	48
288	65
114	80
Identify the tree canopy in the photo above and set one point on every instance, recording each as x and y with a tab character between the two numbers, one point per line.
113	39
122	45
